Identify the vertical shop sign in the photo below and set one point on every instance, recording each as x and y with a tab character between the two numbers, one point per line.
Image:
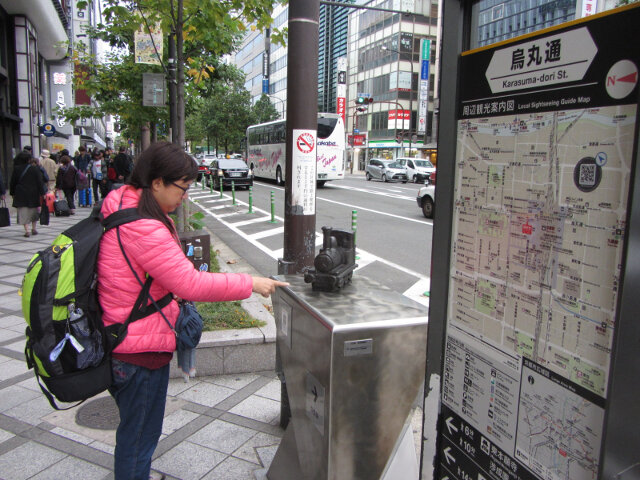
423	94
341	89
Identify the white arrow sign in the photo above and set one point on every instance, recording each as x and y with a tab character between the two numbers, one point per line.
450	425
560	58
447	455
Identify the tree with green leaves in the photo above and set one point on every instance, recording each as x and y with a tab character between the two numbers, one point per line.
264	110
203	31
227	113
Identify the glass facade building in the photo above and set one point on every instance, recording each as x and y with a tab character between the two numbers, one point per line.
497	20
332	44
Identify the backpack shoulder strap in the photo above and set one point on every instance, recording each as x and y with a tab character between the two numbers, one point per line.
23	172
120	217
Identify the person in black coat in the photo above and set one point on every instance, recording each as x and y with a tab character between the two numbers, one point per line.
66	181
25	188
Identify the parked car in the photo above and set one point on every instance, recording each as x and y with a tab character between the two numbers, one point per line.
427	200
418	169
227	170
385	170
203	168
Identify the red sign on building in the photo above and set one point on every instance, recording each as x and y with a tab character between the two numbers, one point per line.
340	107
357	140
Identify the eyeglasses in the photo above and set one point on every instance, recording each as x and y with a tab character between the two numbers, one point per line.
184	189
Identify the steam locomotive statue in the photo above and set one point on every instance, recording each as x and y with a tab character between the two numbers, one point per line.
335	263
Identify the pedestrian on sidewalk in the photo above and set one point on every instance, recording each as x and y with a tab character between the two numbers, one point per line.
123	164
66	181
26	188
96	175
50	167
150	246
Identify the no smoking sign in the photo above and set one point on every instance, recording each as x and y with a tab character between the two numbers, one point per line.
305	142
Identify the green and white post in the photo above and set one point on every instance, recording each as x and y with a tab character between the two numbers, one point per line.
354	224
273	208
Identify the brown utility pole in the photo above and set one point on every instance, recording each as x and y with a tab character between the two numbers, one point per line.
302	125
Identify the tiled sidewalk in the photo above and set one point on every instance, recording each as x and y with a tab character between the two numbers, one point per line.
217	427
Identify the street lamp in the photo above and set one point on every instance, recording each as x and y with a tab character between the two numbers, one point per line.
280	100
384	47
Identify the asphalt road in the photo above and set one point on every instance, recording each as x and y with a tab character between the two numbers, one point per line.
393	237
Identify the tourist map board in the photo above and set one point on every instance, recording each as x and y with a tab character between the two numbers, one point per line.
545	147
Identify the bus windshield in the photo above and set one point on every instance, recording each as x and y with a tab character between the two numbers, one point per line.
326	126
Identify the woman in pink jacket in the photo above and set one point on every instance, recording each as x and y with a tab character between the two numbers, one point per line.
159	183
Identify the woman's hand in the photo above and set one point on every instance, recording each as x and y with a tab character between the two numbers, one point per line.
266	286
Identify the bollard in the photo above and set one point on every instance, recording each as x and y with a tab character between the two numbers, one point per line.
210	182
233	192
250	199
273	208
202	177
221	186
354	224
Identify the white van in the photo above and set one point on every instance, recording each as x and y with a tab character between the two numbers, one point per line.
418	169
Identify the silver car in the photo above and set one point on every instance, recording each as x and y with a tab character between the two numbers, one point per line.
386	170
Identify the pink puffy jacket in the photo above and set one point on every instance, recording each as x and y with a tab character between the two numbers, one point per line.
152	249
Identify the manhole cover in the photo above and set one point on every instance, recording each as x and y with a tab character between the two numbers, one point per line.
101	413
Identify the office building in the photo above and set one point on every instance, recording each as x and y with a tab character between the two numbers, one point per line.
332	44
392	58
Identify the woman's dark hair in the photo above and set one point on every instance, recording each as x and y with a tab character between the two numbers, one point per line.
22	158
65	160
160	160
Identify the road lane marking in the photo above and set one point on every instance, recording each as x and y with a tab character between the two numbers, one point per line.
266	233
365	209
253	220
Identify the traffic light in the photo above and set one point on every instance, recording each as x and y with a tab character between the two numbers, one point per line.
364	100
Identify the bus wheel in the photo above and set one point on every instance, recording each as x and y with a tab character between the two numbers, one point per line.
321	183
279	177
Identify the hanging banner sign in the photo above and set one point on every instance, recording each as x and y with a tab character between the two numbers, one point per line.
148	44
544	158
303	167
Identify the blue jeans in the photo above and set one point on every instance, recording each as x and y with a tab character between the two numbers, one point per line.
141	395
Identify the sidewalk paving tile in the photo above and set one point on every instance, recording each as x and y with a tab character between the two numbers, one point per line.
222	436
27	460
188	461
258	408
71	468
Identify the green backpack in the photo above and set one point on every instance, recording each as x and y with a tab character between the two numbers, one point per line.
68	346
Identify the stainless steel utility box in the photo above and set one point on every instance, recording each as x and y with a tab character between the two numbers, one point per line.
354	363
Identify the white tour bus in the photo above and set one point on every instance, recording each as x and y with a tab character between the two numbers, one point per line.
266	149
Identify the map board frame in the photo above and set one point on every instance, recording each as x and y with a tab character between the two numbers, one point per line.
467	445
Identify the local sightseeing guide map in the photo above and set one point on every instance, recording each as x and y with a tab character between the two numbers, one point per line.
539	221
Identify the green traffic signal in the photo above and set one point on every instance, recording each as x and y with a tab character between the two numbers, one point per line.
364	100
